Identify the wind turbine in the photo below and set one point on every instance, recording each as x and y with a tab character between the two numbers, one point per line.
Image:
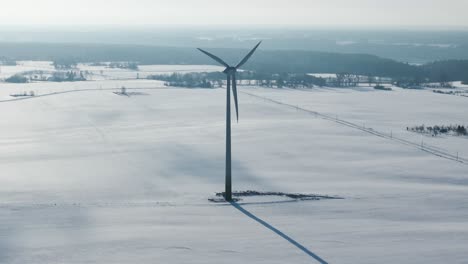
230	72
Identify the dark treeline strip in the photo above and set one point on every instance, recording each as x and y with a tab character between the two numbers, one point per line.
266	61
216	79
459	130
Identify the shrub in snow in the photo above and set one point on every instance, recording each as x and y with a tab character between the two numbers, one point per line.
17	79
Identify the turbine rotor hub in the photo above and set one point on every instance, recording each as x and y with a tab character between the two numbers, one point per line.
230	70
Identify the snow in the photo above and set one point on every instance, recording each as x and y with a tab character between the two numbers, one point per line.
144	71
323	75
104	72
25	66
387	112
460	85
92	177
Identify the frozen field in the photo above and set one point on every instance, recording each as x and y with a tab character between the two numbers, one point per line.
388	112
99	73
93	177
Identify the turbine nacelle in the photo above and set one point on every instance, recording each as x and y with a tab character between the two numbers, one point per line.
230	70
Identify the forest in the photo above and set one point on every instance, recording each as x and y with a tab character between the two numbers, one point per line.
266	61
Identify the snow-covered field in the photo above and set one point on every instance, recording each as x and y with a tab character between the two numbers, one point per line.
105	73
93	177
25	66
99	73
389	112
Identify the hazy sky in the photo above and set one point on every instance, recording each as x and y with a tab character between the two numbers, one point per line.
238	12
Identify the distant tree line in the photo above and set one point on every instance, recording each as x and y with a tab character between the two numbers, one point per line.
265	61
7	61
68	76
459	130
17	78
31	93
124	65
292	80
382	88
344	79
461	93
65	63
190	80
216	79
59	76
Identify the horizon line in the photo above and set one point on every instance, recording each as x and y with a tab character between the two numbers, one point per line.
78	27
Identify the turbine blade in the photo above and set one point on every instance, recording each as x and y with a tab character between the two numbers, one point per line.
247	57
214	57
234	92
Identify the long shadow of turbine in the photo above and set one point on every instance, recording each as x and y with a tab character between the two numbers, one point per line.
278	232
